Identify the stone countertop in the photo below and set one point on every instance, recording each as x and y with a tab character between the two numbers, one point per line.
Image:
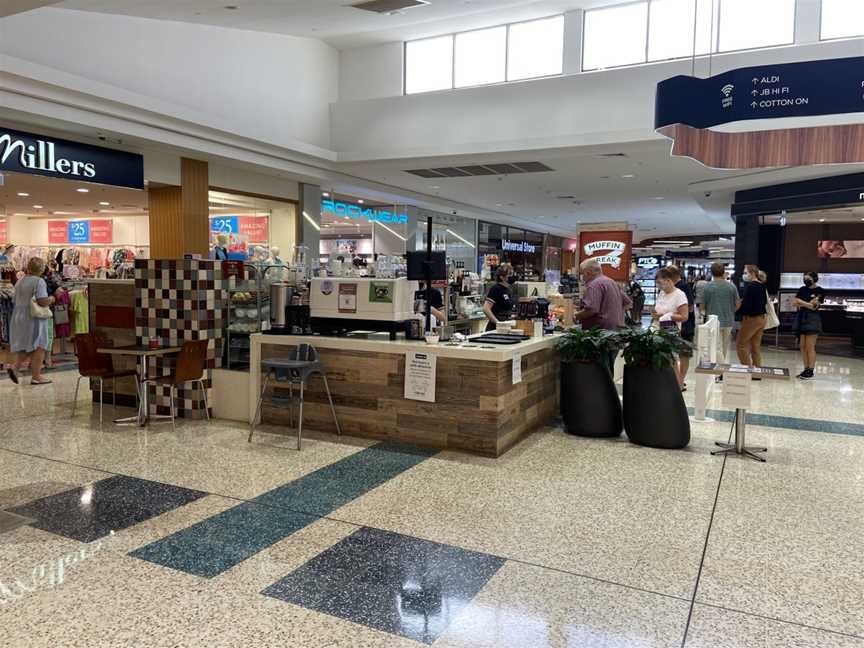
495	353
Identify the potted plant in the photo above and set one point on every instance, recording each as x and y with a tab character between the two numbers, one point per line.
590	405
654	411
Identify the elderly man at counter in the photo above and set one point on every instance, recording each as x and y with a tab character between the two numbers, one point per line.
603	304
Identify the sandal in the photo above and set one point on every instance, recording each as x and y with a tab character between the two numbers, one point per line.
44	381
12	375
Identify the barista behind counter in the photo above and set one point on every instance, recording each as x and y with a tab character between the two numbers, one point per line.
435	299
499	302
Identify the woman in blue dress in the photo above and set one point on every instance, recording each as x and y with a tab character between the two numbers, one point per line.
28	335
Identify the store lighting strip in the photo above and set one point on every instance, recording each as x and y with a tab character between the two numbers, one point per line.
399	236
311	222
455	235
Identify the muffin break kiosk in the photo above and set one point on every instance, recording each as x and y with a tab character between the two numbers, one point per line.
470	396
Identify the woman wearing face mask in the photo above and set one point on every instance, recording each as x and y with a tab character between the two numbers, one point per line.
672	308
754	301
499	300
808	321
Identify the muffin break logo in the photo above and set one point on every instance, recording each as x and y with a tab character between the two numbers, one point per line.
612	252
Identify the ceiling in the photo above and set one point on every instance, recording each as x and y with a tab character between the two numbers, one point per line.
336	21
53	196
644	186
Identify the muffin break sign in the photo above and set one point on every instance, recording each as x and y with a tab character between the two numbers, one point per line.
611	249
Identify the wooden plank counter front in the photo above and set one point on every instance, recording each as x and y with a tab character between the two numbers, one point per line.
477	408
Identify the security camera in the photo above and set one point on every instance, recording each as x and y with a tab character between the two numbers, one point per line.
707	194
454	212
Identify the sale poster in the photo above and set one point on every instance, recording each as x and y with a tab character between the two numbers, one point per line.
101	231
255	227
4	232
58	232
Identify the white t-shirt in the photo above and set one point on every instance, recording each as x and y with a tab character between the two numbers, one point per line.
669	303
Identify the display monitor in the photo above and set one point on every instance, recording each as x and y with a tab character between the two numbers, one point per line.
417	266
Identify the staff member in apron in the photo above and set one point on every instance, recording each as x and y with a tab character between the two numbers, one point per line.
499	300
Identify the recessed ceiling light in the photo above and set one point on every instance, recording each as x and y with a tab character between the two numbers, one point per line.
360	201
628	175
104	204
37	206
326	194
434	187
821	220
82	190
658	198
23	194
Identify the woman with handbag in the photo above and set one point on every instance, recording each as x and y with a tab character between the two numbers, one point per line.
28	329
808	321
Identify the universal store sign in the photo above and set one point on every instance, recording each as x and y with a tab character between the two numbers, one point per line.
57	158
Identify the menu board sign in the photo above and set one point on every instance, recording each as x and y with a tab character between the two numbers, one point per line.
347	298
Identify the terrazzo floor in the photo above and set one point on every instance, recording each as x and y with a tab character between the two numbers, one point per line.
195	537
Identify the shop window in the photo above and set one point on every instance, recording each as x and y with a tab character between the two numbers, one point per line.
615	36
745	24
481	57
429	65
842	19
535	49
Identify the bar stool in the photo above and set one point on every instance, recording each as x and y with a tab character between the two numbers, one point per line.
302	363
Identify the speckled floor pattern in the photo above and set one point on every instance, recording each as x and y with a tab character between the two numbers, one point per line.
195	537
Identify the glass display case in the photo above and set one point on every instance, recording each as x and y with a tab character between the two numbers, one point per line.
248	313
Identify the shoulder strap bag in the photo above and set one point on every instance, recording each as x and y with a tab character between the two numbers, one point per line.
37	311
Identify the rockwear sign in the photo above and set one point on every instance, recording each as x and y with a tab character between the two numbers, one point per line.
57	158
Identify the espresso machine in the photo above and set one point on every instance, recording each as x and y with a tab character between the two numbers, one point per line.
289	309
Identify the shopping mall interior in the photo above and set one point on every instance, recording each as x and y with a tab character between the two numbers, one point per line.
451	323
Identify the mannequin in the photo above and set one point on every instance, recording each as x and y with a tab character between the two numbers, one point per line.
275	259
220	250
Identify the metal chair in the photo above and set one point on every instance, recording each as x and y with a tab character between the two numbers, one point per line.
189	368
98	366
302	363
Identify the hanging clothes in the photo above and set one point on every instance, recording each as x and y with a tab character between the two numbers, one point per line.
80	305
62	316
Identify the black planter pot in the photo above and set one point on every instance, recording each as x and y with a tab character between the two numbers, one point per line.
654	411
590	405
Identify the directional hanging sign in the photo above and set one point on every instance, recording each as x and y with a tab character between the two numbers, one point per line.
831	87
688	109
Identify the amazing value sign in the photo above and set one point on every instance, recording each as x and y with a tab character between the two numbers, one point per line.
359	211
80	231
611	249
48	156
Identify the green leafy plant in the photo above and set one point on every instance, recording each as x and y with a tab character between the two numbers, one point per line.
586	345
651	347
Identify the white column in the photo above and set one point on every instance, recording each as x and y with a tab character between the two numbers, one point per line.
574	23
808	19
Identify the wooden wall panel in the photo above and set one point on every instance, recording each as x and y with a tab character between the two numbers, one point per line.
166	223
195	187
773	148
477	407
180	216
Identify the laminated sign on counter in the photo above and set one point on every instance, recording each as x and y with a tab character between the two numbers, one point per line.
420	376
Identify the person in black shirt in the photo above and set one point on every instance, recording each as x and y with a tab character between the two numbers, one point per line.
754	301
808	321
688	327
499	300
436	301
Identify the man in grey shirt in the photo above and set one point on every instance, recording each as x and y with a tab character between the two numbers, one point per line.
720	298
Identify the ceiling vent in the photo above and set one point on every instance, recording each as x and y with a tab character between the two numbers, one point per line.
389	6
503	168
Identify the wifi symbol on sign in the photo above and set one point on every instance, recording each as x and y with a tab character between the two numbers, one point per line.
727	89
